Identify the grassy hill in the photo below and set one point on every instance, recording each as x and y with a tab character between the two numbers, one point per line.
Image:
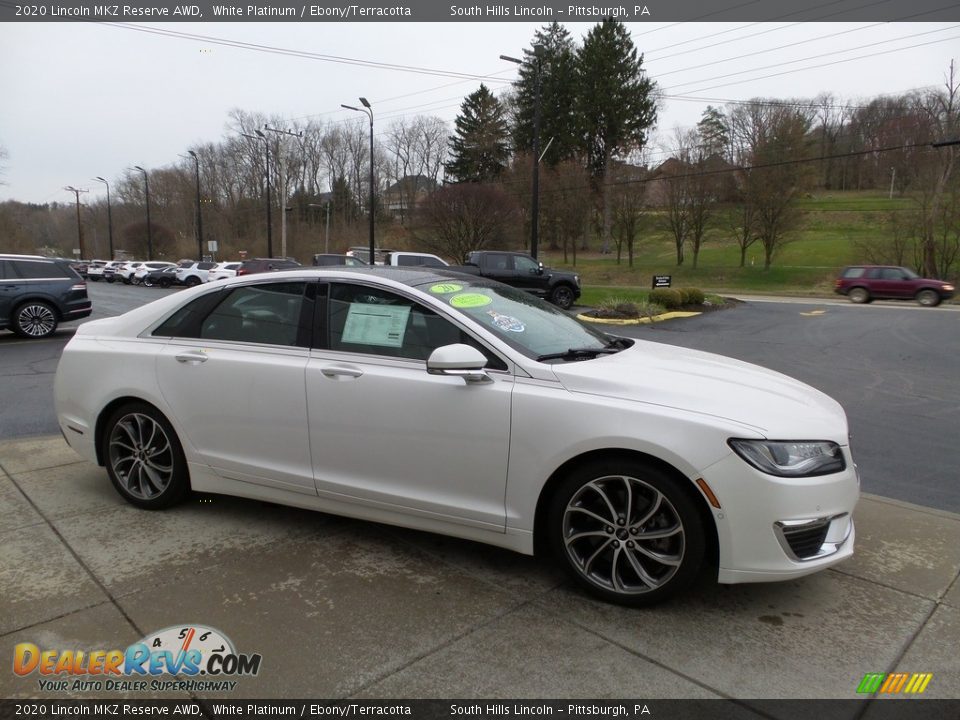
834	223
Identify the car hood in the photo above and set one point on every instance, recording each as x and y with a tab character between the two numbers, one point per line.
775	405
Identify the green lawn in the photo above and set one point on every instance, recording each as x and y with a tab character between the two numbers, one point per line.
833	227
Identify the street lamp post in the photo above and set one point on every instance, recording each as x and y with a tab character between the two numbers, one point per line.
369	111
260	136
196	161
109	215
146	187
535	201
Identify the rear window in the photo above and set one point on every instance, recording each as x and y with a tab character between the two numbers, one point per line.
853	272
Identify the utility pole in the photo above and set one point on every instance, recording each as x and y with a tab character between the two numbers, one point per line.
196	161
76	191
260	136
283	190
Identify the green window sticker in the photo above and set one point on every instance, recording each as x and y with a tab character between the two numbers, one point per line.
470	300
445	288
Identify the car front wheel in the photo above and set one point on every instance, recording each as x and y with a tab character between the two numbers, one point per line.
928	298
626	532
859	295
144	458
35	320
562	297
192	281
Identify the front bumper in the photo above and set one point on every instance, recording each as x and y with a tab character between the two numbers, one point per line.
771	528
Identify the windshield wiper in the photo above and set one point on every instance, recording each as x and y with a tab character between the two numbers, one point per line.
579	353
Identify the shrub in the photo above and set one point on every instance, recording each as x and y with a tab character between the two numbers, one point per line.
693	296
668	297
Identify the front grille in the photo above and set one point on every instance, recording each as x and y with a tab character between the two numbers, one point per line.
806	540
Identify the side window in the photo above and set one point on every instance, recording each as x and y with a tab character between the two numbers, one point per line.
525	264
853	272
873	274
377	322
5	273
37	270
271	314
498	261
892	274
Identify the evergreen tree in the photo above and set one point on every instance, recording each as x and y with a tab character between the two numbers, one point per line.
554	50
615	103
712	129
479	148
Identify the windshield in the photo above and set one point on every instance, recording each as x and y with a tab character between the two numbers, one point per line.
523	321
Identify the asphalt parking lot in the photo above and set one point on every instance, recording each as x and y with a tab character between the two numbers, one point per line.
346	609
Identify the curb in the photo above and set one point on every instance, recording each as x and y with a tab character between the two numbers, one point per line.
638	321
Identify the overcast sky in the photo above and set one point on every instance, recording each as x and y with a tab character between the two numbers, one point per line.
85	99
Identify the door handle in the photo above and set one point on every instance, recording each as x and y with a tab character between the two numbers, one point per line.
339	371
194	356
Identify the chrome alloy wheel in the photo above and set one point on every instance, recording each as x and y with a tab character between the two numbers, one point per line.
36	320
623	535
141	455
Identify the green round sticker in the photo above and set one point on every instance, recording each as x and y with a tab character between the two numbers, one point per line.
470	300
445	288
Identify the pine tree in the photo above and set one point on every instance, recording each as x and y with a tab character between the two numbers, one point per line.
479	148
615	103
554	50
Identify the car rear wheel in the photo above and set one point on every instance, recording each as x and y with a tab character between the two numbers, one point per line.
928	298
192	281
144	458
626	532
35	319
562	297
165	282
859	295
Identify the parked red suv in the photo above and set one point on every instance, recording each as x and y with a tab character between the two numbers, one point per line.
864	283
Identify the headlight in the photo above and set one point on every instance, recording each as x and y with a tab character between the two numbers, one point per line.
786	458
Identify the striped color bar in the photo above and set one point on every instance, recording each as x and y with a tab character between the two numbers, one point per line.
894	683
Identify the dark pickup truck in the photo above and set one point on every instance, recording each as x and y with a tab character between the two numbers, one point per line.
524	273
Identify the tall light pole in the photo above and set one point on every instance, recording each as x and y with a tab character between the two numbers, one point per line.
369	111
283	190
260	136
109	215
77	192
196	161
535	201
326	237
146	187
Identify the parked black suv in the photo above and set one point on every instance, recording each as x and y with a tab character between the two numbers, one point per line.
37	294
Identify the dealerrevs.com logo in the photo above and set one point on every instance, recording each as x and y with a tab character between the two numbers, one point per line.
202	659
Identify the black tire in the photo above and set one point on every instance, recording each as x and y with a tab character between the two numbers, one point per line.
144	457
859	295
192	281
562	296
928	298
110	279
126	281
35	319
165	282
607	555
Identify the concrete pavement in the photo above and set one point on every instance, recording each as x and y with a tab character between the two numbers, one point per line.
346	609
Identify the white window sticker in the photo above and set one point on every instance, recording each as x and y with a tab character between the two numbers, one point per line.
382	325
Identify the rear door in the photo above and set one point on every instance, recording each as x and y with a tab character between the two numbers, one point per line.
233	376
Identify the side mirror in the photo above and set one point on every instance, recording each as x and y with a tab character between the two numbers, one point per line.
459	360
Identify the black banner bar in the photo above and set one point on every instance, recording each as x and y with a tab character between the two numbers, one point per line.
879	709
536	11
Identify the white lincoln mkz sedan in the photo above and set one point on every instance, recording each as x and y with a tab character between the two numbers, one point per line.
447	403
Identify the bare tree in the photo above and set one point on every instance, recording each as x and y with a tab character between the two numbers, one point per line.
772	142
457	219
